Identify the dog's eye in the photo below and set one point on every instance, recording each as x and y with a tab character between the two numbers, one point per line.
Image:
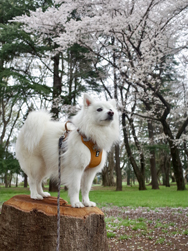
99	109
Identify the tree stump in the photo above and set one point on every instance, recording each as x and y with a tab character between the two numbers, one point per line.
31	225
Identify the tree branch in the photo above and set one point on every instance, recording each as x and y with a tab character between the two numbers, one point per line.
182	128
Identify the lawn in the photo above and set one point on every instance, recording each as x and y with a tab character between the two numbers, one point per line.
130	196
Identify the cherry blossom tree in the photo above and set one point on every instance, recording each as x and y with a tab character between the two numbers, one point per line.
144	36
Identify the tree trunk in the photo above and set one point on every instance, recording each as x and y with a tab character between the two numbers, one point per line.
118	170
154	181
6	180
165	168
117	156
105	180
128	175
137	144
168	173
57	86
25	180
31	225
138	173
70	76
176	162
177	167
10	180
107	172
17	180
173	178
53	186
111	168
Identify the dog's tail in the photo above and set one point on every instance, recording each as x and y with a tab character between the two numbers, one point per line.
34	127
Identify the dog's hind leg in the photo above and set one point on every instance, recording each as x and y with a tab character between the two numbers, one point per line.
86	183
35	173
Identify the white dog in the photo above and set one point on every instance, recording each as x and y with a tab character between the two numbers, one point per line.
97	123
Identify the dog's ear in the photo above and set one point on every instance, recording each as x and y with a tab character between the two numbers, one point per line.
87	100
113	102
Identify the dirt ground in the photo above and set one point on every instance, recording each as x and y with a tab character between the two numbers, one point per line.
146	229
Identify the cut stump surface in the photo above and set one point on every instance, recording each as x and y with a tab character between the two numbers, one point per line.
27	224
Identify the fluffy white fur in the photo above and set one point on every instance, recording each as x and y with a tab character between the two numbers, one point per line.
37	148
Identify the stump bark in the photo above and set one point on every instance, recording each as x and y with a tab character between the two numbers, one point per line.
27	224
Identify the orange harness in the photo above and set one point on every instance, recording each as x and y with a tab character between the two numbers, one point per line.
96	153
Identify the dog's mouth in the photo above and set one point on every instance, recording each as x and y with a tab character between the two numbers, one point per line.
109	118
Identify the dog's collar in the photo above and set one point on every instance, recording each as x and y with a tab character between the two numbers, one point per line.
62	139
66	128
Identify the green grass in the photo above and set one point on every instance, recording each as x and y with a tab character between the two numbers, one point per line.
116	223
111	235
140	225
130	196
7	193
160	241
125	237
185	232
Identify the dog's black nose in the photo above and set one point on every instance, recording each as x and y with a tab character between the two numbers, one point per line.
111	113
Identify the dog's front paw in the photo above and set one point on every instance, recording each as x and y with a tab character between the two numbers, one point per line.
45	194
77	204
89	203
36	196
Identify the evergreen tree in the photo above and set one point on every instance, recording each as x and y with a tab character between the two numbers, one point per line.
17	84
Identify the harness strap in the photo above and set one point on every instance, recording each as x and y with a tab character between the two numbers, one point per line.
96	153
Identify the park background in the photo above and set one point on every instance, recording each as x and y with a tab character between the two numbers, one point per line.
134	51
51	52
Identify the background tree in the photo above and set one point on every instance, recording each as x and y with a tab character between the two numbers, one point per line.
143	36
17	81
136	42
108	170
